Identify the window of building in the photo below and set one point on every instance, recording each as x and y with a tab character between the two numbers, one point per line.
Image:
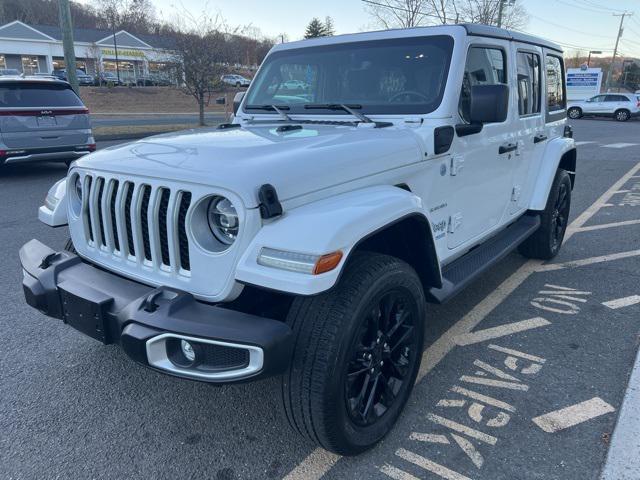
30	65
485	66
529	90
3	62
556	97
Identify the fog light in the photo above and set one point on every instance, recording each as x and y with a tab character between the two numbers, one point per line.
187	350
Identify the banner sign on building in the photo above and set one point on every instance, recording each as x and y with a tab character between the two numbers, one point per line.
110	52
583	83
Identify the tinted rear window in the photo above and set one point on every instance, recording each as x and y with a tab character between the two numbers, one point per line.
38	95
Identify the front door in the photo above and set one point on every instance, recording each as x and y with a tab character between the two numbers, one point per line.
481	187
595	105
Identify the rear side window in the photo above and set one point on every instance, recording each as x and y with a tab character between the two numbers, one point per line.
485	66
37	95
616	98
528	83
555	84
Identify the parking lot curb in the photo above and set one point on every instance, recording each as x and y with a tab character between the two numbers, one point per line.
623	459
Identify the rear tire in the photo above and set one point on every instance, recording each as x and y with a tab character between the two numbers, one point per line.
574	113
622	115
352	372
545	243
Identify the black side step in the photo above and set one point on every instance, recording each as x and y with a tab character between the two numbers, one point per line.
459	273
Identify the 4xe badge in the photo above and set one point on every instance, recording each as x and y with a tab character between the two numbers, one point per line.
440	229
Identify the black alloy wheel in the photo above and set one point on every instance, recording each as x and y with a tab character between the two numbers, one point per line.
382	357
560	216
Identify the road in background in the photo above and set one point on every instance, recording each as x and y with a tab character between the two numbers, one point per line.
543	353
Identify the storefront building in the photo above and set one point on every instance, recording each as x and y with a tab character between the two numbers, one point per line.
38	49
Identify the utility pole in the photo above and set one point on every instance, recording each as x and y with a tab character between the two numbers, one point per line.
115	49
67	42
615	49
500	12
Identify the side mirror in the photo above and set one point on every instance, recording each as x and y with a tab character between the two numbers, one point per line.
489	103
237	100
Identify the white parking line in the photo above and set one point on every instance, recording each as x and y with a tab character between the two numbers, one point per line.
427	464
315	465
588	261
319	462
396	473
590	228
619	145
583	143
501	331
622	302
569	416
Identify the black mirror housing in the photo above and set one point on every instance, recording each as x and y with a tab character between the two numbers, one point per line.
237	100
489	103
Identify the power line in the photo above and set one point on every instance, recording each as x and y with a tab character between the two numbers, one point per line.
594	4
570	29
580	6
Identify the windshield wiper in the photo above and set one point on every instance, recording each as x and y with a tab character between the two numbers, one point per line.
350	109
274	108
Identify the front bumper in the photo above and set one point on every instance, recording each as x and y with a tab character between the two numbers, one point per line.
144	320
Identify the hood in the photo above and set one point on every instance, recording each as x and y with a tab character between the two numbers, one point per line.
295	162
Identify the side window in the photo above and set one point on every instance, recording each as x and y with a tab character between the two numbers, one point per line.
529	90
555	84
485	66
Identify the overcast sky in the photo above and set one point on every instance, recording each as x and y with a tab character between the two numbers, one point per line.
586	23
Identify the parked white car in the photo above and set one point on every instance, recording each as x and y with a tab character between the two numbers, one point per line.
236	80
621	106
305	239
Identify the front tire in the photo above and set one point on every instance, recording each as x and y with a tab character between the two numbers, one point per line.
357	353
545	243
622	115
574	113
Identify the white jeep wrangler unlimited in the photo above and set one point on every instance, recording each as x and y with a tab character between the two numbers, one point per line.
305	239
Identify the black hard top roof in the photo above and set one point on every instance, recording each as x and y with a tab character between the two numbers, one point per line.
495	32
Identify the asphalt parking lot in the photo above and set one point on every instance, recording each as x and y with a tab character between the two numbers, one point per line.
523	375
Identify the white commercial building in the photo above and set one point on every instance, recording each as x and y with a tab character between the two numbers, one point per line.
38	49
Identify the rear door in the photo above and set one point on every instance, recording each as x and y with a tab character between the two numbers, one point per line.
532	138
38	115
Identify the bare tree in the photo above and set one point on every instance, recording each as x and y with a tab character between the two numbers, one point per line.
412	13
203	50
400	13
487	12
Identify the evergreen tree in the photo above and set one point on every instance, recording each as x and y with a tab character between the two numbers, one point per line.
315	29
329	29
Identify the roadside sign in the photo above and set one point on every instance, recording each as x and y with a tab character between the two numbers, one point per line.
583	83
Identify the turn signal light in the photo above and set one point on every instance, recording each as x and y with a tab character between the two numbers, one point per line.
328	262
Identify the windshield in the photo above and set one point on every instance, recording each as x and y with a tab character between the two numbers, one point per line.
398	76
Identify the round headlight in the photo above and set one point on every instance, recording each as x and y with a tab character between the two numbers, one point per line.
78	187
223	220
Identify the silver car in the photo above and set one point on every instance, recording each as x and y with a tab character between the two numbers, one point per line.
42	119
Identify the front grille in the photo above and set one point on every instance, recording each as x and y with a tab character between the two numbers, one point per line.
138	221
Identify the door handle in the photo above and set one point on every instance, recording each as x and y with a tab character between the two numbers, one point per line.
507	147
539	138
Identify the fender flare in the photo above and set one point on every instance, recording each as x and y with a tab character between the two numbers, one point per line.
340	223
54	210
554	151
